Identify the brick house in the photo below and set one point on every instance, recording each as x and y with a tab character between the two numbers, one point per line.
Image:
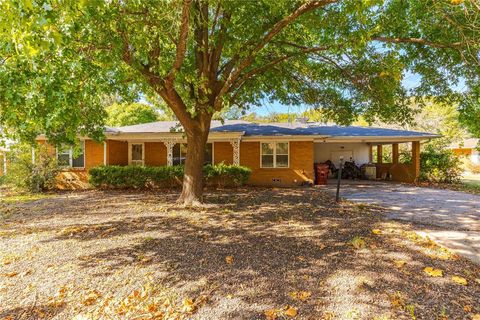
468	149
278	153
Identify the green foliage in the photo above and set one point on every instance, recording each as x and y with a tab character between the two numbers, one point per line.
126	114
347	58
439	166
33	177
165	176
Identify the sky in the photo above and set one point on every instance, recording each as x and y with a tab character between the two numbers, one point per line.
410	81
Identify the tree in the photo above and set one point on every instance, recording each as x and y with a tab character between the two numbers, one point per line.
126	114
347	57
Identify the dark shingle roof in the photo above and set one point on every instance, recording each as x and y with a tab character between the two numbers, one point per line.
278	129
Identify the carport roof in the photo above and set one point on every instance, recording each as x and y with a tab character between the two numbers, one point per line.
277	129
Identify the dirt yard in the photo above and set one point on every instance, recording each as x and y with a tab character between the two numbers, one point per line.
248	254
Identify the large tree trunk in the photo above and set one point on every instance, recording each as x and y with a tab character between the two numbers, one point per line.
192	191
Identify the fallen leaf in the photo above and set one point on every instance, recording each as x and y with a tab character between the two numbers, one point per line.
10	274
300	295
188	305
460	280
467	308
399	263
376	231
433	272
291	312
476	316
271	314
91	298
229	259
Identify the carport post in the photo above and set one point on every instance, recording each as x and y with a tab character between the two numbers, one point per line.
395	153
337	197
416	159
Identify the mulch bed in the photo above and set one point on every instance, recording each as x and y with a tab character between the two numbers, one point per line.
247	254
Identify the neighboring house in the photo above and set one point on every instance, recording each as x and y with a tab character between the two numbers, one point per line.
278	153
468	149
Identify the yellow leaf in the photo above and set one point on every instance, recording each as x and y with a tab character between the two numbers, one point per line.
456	2
188	305
433	272
91	298
271	314
291	312
229	259
476	316
376	231
10	274
300	295
399	263
460	280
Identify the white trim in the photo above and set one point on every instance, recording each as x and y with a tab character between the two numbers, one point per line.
130	161
104	153
70	157
275	154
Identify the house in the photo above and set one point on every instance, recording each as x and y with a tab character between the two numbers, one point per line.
468	149
278	153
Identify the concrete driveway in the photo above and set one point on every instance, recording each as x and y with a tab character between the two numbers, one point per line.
450	218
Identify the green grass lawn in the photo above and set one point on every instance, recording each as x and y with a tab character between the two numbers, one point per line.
471	183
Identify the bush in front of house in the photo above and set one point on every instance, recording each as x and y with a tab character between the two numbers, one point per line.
33	176
139	177
439	166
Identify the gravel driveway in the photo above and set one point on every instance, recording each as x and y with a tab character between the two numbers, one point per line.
451	218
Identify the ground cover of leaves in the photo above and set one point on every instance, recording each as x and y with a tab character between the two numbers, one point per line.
247	254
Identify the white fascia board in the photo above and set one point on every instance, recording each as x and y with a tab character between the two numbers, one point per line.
158	136
382	139
283	138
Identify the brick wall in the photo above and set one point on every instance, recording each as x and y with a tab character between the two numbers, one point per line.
117	153
93	154
223	152
300	167
155	154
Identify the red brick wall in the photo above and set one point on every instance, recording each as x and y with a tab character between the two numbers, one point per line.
223	152
155	154
300	166
117	153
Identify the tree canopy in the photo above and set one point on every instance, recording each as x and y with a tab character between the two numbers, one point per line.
126	114
346	57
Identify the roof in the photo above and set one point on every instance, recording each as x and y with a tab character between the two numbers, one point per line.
466	144
277	129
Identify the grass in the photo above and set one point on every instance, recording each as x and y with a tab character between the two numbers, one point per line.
23	197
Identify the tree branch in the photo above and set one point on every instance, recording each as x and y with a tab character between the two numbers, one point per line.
181	44
277	28
418	41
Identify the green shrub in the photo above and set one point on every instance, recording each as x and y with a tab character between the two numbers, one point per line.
31	176
439	165
166	176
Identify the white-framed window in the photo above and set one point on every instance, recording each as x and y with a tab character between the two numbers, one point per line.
136	153
179	153
67	157
274	154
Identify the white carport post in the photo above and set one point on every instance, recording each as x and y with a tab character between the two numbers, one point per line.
169	144
236	151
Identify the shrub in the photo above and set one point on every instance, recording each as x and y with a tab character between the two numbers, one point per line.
439	165
166	176
31	176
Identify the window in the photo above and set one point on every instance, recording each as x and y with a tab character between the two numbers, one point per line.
274	154
70	157
136	154
180	153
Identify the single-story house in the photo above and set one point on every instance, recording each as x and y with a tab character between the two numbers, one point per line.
467	148
280	154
